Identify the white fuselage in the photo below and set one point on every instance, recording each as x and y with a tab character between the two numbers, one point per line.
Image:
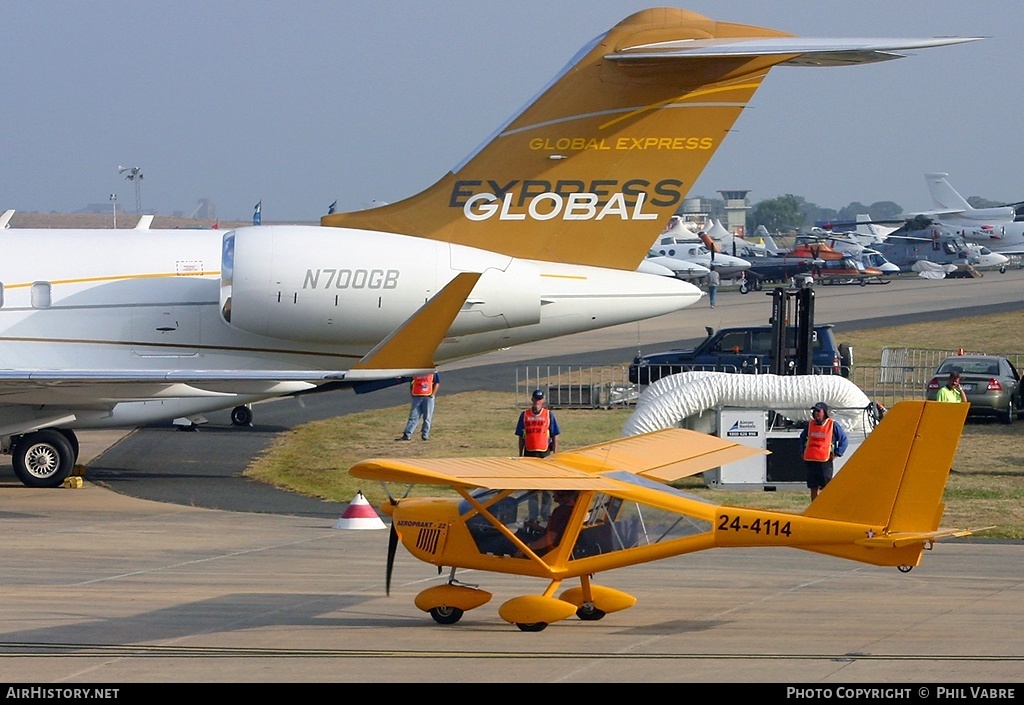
1007	236
697	253
98	303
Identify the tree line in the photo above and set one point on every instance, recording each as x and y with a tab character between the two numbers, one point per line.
791	213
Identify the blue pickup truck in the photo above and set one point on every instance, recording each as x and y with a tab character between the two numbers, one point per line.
745	349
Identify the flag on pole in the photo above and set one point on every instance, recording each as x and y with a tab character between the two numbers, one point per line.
257	216
330	208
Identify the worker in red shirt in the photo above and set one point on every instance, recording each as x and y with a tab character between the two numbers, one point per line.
822	440
423	389
538	438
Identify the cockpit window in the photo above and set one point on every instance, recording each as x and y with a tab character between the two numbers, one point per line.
227	274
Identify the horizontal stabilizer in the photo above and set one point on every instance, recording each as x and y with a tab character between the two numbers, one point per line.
806	51
909	538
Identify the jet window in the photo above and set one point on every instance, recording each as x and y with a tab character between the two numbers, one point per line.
41	295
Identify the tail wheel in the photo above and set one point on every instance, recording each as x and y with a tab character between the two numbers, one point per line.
446	615
43	458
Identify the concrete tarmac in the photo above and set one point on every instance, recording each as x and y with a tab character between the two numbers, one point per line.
102	587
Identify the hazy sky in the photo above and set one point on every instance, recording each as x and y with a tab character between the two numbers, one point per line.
302	103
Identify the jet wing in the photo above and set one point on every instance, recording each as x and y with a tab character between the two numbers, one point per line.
805	51
664	455
407	351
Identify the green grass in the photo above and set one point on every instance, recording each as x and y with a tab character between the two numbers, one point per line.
985	487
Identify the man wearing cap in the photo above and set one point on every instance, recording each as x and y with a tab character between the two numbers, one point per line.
537	429
822	440
538	438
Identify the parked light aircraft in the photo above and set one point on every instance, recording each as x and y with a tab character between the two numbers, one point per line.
919	239
683	269
740	246
119	328
883	508
689	237
849	246
696	253
996	228
689	252
938	245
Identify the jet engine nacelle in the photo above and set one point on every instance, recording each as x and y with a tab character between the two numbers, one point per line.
334	285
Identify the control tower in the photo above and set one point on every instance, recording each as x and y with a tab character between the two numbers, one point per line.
736	211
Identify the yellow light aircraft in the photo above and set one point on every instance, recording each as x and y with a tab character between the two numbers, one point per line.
883	508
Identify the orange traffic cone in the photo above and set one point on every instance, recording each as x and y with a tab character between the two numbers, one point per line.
359	515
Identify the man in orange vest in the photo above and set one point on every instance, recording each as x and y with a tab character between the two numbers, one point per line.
822	440
538	438
423	390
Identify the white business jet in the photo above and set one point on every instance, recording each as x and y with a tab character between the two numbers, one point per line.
995	228
124	327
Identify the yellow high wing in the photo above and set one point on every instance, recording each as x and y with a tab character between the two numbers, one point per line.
661	456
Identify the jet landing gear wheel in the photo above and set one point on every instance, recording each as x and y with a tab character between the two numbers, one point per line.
43	458
589	613
446	615
241	416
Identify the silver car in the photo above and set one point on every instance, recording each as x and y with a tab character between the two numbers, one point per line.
992	385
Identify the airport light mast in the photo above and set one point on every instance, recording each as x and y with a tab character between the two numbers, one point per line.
134	174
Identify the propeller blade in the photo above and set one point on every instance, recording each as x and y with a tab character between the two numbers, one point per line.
392	548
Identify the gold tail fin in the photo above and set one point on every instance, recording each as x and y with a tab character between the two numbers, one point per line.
592	169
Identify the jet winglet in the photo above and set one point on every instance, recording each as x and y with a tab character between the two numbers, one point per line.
410	347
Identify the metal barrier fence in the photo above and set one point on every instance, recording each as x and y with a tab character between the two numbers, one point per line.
579	386
904	372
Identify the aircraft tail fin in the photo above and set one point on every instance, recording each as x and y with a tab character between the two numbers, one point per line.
948	201
585	172
766	238
895	480
944	196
